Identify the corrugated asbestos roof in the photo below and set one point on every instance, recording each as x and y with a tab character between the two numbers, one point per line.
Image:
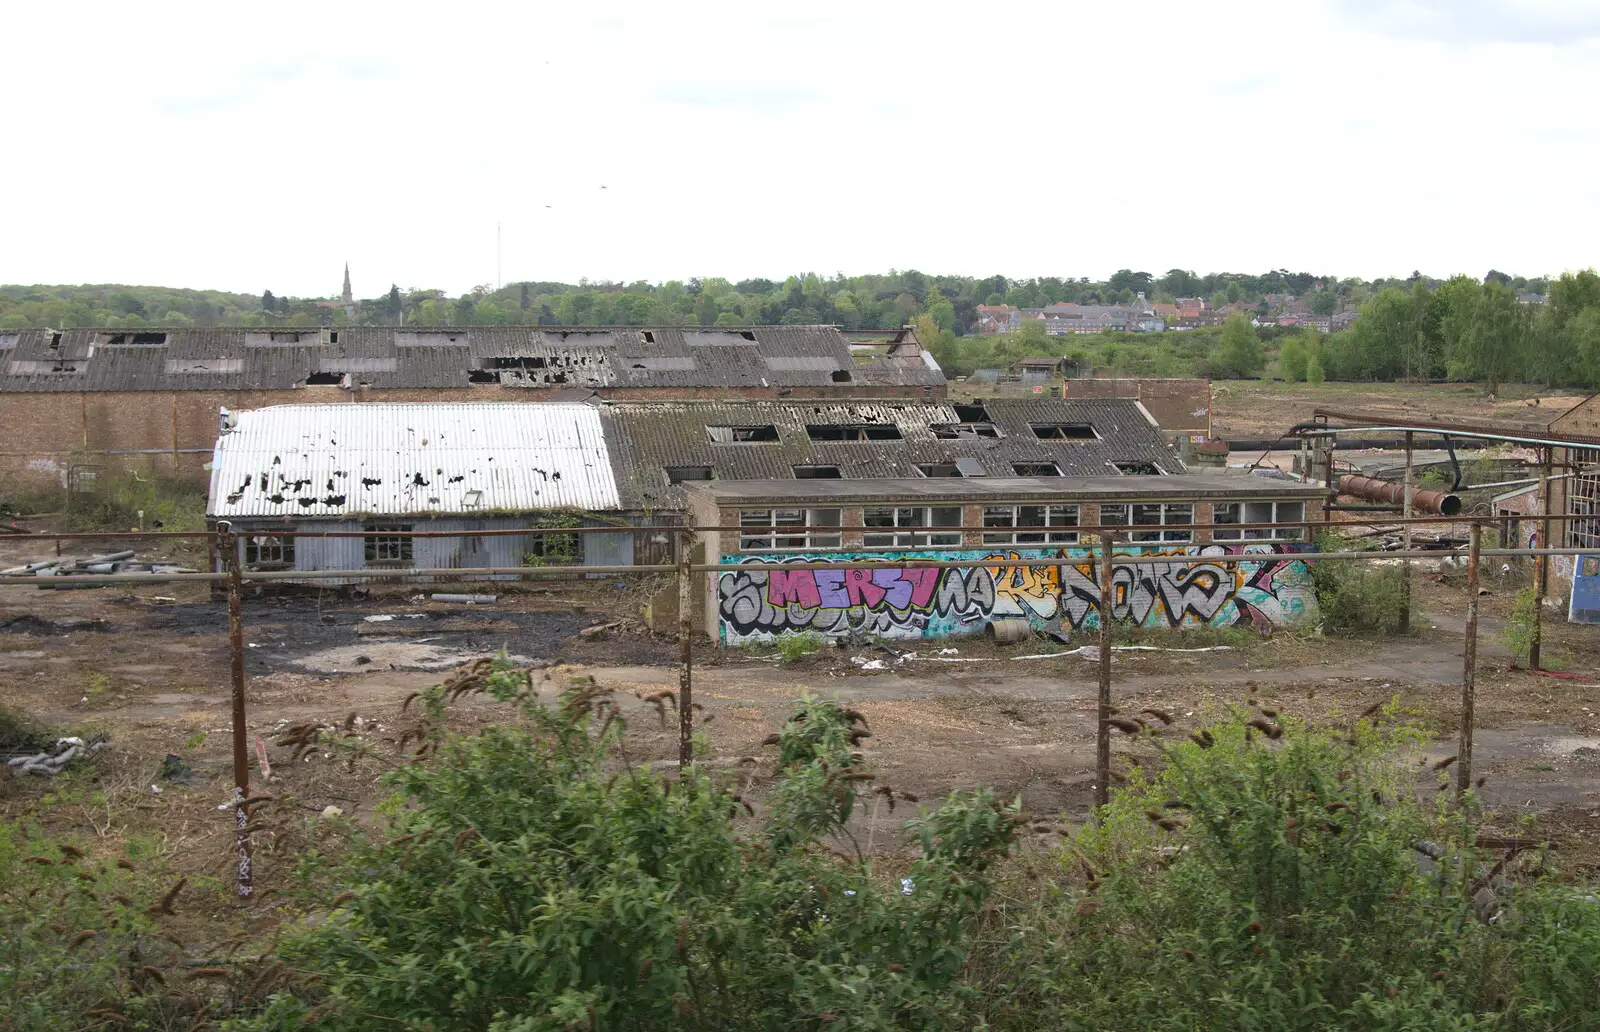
646	438
394	460
239	358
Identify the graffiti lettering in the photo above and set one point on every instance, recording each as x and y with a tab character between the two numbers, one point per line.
1210	585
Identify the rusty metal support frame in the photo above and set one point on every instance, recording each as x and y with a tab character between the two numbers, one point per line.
1102	733
686	577
1469	670
228	544
1410	489
1541	576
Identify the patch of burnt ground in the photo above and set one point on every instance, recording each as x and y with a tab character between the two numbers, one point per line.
281	632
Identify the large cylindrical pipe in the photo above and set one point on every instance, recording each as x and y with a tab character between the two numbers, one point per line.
1434	503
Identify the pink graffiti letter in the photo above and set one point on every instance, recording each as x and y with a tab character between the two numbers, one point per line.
858	583
785	586
923	584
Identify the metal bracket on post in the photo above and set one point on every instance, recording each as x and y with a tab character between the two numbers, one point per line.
228	548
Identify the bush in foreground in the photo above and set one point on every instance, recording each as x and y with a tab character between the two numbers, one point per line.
1266	878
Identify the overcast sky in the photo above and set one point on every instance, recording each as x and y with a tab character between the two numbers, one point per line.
260	146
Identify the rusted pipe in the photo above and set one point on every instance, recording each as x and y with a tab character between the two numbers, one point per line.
1437	503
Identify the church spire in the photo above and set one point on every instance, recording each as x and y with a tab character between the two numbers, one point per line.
348	297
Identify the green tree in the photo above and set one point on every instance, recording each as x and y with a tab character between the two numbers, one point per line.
1292	359
1237	353
941	310
396	305
1490	336
1324	302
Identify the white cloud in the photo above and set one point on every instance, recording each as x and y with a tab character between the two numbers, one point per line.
251	148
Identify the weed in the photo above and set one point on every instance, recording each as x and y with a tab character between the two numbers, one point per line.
1519	633
99	687
794	646
195	740
20	732
1356	597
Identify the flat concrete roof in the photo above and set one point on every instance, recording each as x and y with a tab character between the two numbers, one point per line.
979	489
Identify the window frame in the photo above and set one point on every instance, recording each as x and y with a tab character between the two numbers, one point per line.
1166	514
379	538
770	537
1046	518
1291	533
916	530
279	545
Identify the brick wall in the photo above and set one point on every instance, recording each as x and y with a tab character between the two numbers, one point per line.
173	432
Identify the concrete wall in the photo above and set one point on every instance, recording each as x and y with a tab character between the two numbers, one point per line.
1200	585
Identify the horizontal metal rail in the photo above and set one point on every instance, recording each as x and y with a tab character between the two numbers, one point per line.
909	562
759	531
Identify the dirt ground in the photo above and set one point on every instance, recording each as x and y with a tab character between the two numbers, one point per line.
1254	409
150	671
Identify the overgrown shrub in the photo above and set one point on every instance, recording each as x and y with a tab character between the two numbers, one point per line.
533	879
116	499
1281	890
1265	877
1357	596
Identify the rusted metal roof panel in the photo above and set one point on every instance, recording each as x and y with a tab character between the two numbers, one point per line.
411	460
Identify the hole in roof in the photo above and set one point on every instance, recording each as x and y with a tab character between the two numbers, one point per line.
757	434
482	376
1138	469
747	335
55	342
953	431
1036	469
680	474
649	338
333	336
854	432
971	413
816	473
324	380
1064	432
840	376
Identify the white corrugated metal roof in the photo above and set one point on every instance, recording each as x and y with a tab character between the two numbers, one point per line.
394	459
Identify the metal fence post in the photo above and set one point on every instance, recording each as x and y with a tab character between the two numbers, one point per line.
1406	512
1102	739
228	547
1469	670
685	651
1541	569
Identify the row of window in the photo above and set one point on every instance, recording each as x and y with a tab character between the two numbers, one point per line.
924	526
384	545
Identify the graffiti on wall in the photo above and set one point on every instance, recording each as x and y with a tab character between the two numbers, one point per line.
1210	585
